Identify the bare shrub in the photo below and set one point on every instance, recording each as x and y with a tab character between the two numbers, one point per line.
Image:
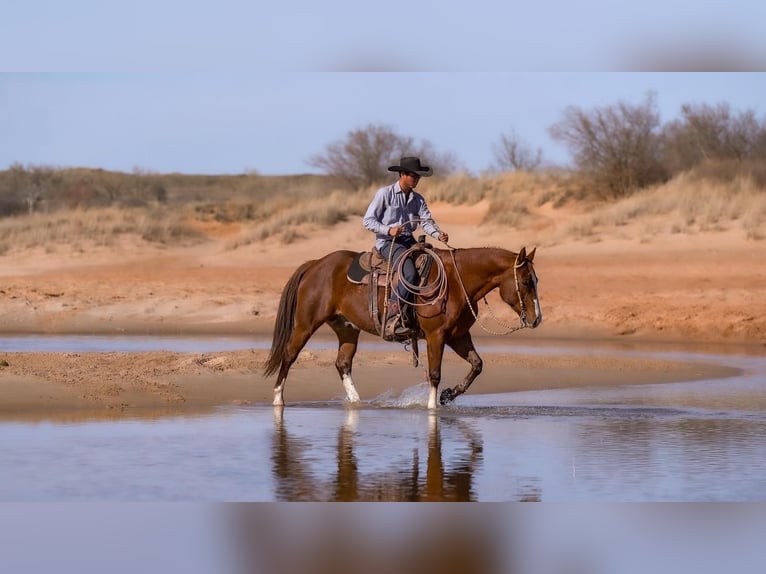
362	157
513	154
617	146
706	133
24	189
71	188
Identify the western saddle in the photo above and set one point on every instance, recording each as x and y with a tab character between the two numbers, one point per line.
371	268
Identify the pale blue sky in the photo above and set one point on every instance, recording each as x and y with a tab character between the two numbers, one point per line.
406	35
222	87
273	122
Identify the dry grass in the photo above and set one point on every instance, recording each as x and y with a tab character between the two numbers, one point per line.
289	208
537	188
101	227
686	204
287	218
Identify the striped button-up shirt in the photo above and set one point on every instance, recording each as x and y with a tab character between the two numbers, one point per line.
391	207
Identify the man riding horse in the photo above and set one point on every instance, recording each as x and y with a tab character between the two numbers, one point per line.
320	292
393	215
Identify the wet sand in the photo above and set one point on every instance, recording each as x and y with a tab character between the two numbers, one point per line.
39	385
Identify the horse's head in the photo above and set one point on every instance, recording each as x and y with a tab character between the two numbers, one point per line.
519	290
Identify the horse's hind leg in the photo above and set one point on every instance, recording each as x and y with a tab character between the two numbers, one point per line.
298	340
463	346
348	338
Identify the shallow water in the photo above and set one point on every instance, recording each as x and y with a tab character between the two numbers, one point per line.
695	441
202	344
125	344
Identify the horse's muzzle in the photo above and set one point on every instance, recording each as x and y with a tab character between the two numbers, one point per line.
538	316
525	324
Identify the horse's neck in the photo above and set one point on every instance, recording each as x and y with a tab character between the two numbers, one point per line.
480	268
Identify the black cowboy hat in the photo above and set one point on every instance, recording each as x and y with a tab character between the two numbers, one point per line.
412	165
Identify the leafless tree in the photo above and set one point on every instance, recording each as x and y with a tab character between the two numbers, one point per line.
362	157
707	132
618	146
512	154
23	188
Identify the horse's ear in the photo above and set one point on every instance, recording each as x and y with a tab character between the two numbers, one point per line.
522	255
531	255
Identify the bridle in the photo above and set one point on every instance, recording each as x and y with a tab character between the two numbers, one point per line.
523	322
533	276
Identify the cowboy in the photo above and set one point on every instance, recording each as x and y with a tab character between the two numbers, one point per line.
394	213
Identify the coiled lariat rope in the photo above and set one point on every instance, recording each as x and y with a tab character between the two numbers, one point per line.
438	285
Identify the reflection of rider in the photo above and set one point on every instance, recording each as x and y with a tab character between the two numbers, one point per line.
390	216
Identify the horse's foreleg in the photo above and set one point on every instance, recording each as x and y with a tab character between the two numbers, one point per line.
348	338
435	354
463	346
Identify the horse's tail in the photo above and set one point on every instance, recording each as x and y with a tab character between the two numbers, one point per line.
285	321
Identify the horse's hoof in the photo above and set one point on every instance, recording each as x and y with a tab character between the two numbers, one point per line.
447	396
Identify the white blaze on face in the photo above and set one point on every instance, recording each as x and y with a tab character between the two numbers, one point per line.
538	309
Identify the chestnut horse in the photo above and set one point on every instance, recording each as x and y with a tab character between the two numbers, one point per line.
319	292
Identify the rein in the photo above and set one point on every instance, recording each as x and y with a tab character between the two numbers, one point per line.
509	328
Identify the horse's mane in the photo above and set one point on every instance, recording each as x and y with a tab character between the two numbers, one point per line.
493	247
486	247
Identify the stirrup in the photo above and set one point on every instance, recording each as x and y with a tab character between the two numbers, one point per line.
395	328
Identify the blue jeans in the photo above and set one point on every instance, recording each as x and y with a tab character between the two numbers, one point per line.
409	273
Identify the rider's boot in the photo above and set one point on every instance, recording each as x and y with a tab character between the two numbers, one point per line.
396	327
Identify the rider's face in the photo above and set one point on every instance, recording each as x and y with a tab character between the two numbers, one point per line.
409	181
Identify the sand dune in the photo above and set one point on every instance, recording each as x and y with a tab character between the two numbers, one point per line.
624	286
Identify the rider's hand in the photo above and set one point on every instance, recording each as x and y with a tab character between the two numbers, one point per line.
443	236
395	230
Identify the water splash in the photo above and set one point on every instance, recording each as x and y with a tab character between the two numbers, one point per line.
414	396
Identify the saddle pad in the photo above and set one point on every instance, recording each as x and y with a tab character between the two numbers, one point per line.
359	268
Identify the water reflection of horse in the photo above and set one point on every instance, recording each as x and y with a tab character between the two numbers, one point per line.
411	481
319	292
